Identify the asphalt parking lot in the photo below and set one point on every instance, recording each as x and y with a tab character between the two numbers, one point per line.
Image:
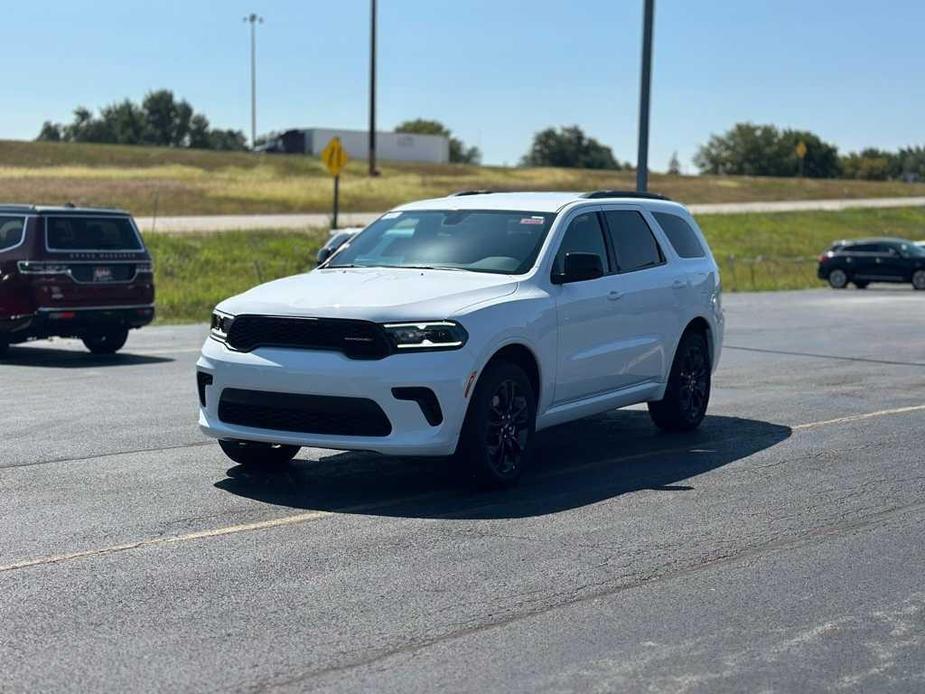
778	548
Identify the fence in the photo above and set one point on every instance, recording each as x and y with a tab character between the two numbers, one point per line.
767	273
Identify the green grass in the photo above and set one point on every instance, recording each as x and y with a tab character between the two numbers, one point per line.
193	272
181	182
755	252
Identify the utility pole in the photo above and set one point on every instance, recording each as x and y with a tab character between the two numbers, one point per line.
372	88
254	21
642	160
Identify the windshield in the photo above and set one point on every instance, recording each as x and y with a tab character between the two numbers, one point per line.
476	240
91	234
913	250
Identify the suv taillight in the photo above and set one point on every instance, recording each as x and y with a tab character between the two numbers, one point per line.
32	267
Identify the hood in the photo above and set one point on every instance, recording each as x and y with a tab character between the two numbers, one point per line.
376	294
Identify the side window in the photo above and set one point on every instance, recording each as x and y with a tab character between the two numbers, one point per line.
633	243
584	235
682	237
11	232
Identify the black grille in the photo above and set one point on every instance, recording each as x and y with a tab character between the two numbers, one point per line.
355	338
307	414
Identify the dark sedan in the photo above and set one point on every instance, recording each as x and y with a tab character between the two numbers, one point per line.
864	261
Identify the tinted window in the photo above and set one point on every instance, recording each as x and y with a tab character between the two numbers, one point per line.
584	235
682	237
633	243
862	248
477	240
11	231
91	234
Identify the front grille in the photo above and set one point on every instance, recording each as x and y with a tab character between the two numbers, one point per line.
102	273
306	414
355	338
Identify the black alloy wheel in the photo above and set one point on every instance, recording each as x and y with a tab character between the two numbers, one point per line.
496	444
688	391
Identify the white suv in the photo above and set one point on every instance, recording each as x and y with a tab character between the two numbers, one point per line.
463	325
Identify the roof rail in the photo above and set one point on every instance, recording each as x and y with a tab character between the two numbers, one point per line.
462	193
596	194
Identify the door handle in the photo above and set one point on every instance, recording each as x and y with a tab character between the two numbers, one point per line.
679	284
615	296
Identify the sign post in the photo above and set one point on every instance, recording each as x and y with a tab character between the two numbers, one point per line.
335	159
801	153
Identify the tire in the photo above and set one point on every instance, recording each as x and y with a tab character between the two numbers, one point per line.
838	279
861	285
253	454
918	279
496	444
4	347
109	342
688	392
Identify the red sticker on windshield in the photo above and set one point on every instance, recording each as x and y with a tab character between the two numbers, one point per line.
532	220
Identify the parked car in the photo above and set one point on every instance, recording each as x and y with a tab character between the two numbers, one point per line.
462	325
72	272
337	238
863	261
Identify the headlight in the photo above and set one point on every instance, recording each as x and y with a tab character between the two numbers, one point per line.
221	325
426	335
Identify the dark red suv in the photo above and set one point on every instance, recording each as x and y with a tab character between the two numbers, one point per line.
72	272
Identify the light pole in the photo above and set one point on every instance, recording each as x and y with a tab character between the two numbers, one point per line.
372	88
642	160
254	19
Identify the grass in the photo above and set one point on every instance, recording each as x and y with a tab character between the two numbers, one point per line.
755	252
181	182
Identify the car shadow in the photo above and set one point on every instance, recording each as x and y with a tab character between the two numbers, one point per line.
578	464
47	357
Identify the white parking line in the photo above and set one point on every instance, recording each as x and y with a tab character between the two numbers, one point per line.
309	516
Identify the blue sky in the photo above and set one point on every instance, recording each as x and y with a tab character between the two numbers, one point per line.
495	71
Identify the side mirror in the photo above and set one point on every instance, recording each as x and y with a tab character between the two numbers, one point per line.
323	254
580	267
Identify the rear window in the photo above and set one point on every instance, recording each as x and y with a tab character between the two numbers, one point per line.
11	232
632	241
682	237
91	234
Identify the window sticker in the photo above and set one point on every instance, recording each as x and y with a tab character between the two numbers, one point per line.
532	220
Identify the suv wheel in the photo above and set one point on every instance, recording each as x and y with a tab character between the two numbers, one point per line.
918	279
496	443
838	279
109	342
256	454
688	391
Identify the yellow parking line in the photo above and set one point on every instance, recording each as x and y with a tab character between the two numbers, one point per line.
317	515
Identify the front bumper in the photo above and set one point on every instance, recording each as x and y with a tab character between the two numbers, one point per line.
320	373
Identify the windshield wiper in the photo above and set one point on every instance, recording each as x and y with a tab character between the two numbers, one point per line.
434	267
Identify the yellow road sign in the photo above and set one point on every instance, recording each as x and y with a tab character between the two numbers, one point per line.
801	149
334	156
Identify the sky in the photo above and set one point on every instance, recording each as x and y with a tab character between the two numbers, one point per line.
494	71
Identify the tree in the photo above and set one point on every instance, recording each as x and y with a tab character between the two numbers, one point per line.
569	147
160	119
871	164
674	165
51	132
764	150
459	153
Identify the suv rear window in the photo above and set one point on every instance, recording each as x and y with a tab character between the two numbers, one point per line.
633	243
11	231
91	234
682	237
